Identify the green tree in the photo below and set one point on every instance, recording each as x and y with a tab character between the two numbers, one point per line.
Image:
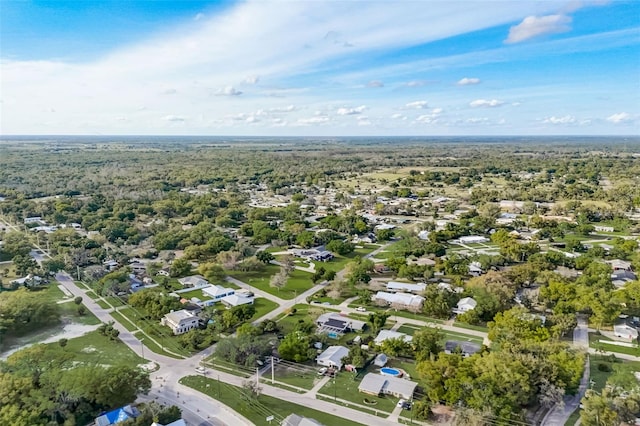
517	324
295	347
180	267
426	342
377	320
265	257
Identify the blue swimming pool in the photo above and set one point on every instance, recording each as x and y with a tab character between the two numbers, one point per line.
387	371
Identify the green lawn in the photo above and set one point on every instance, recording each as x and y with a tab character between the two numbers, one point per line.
194	293
122	320
263	307
345	387
471	327
298	282
161	334
259	409
594	342
399	313
447	335
93	348
338	263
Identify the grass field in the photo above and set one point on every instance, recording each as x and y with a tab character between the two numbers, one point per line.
94	348
298	282
257	410
263	307
447	335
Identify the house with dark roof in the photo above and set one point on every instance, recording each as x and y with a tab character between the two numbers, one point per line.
467	348
117	416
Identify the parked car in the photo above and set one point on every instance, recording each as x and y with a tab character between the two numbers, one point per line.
361	309
322	371
400	403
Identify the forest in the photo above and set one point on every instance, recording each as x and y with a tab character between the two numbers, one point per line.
553	217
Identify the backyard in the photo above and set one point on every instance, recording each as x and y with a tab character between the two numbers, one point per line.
298	282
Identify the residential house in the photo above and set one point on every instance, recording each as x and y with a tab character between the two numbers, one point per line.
33	219
601	228
193	281
234	300
620	278
296	420
110	265
389	334
395	286
467	348
377	384
399	300
625	331
421	261
619	265
138	268
464	305
423	235
473	239
117	416
27	281
180	321
332	357
475	269
380	360
333	322
217	292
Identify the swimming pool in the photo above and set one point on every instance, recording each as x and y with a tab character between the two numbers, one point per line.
387	371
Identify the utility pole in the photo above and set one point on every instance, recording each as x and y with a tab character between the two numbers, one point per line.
273	368
78	266
257	377
142	347
218	386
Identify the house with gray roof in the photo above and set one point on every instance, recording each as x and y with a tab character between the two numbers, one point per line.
377	384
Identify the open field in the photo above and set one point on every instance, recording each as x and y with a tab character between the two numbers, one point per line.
257	410
298	282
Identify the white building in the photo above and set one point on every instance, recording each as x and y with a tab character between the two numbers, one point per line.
193	281
388	334
625	331
236	300
332	356
464	305
473	239
180	321
377	384
394	286
217	292
402	300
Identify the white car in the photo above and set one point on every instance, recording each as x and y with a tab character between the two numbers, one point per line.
322	371
400	403
361	309
201	370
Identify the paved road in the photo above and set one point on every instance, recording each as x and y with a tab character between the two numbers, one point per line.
560	414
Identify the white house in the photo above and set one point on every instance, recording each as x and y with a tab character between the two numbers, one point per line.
236	300
180	321
423	235
403	300
193	281
377	384
217	292
33	219
600	228
473	239
394	286
464	305
110	265
332	356
619	265
388	334
475	269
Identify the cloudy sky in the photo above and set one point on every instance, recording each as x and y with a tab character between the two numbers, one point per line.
320	67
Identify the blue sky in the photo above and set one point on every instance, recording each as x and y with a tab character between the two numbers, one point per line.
320	68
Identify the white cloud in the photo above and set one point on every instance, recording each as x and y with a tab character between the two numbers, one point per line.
351	111
229	91
416	83
436	111
416	105
398	116
566	119
536	26
375	83
466	81
313	120
279	110
198	16
174	118
485	103
477	120
618	118
252	79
